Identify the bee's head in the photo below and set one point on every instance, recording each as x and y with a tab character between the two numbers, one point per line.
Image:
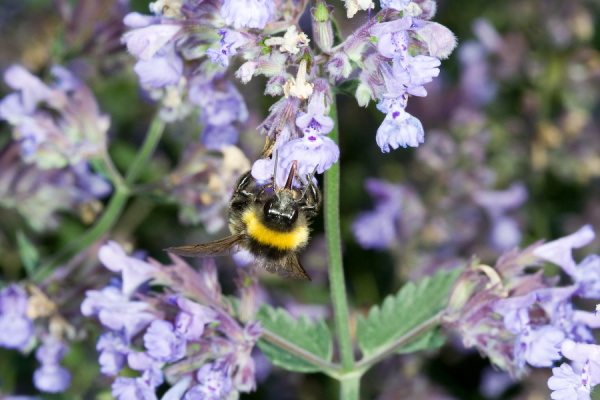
281	209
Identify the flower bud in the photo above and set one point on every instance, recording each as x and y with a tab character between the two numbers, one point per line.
363	95
321	23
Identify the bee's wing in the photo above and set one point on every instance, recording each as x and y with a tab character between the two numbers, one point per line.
221	247
289	268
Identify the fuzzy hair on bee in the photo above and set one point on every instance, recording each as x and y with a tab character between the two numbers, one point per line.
271	222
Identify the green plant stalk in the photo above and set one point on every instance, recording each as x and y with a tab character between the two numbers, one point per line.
350	386
116	204
334	247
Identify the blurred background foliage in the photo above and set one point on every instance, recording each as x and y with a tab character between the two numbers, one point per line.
524	107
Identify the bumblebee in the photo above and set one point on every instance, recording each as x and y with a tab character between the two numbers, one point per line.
271	222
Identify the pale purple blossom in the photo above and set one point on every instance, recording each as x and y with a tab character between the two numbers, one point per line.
399	128
213	383
568	385
145	42
16	329
50	376
247	13
132	389
163	343
113	351
228	46
164	68
191	320
311	151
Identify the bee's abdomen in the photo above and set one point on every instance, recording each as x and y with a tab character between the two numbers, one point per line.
293	239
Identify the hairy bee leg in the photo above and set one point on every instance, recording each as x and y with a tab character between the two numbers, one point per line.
243	194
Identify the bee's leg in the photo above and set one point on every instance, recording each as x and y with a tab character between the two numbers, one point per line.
244	192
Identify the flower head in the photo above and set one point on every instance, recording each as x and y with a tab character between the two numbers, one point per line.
247	13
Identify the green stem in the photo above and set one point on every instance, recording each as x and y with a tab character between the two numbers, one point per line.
385	351
150	142
350	387
115	205
334	246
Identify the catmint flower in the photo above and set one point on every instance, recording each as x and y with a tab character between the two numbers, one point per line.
56	125
247	13
213	383
16	329
228	46
163	69
568	385
146	41
113	353
150	367
192	318
291	42
115	311
399	128
559	251
132	389
50	376
311	151
299	87
338	66
133	271
163	343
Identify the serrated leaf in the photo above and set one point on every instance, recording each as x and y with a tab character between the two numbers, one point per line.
30	257
310	336
429	340
409	308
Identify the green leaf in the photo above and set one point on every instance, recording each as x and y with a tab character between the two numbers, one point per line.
312	337
30	257
429	340
399	314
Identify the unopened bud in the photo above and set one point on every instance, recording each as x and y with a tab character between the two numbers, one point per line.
322	29
364	95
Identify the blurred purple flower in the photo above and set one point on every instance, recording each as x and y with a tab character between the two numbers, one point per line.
50	376
190	321
163	343
163	69
133	271
145	42
568	385
113	351
538	347
213	383
559	251
132	389
230	42
399	128
16	329
375	230
247	13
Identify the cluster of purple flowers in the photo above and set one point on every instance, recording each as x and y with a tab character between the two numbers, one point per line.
189	336
57	129
17	331
519	318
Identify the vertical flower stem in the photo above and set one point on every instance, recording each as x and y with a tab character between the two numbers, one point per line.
115	206
334	246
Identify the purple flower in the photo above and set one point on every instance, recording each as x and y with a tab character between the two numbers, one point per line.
192	318
164	68
559	251
215	137
220	102
309	151
15	328
587	355
163	343
587	275
247	13
132	389
213	383
13	300
113	352
134	272
393	43
145	42
115	311
395	4
539	347
31	91
568	385
51	378
399	128
375	230
230	42
314	120
150	367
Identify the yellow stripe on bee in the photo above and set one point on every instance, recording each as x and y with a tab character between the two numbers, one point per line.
291	240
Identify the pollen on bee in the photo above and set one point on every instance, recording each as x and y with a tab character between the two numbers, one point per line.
295	239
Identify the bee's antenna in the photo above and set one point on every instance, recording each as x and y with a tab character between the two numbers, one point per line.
309	183
293	169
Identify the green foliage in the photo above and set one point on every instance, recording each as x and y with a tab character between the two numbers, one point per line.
29	254
303	333
399	314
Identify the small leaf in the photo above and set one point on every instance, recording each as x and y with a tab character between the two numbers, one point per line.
399	314
430	340
310	336
30	257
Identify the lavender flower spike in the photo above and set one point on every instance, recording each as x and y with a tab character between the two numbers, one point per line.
15	328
